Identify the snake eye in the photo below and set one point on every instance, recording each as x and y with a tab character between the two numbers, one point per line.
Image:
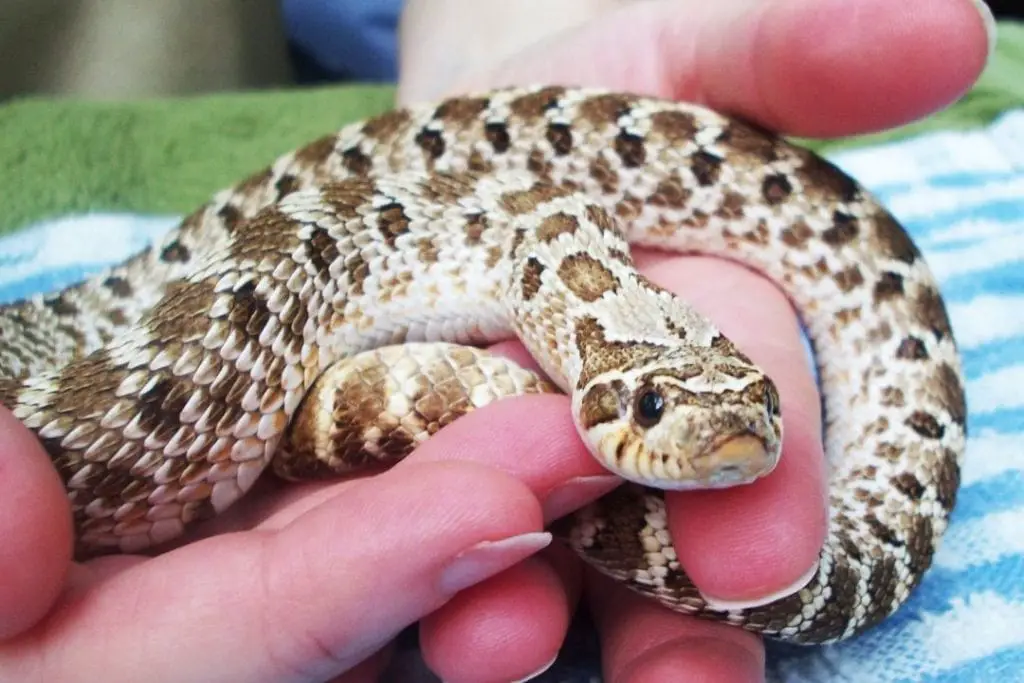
649	407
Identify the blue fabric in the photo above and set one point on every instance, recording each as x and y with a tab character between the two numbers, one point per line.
961	195
355	39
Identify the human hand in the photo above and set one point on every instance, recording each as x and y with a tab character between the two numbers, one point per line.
307	582
804	67
303	582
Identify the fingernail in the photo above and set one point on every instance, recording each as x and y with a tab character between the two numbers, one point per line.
576	493
486	559
726	605
538	672
990	25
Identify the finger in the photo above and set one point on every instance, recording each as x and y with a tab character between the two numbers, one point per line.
806	67
746	544
548	456
35	525
644	643
509	628
308	601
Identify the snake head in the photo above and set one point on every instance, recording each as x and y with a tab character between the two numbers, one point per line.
692	419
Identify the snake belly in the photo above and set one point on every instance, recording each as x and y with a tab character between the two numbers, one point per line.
163	387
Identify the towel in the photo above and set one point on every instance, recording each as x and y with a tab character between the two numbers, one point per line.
88	184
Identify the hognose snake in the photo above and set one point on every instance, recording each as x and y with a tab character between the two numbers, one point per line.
163	387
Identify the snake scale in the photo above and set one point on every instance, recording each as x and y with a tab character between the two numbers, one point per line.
347	283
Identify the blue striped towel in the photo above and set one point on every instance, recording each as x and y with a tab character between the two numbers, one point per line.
961	195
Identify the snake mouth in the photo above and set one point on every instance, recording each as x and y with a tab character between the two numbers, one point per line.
735	459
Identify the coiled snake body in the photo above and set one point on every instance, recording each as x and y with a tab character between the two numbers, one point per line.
164	387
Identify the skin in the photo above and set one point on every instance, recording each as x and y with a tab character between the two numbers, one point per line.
311	582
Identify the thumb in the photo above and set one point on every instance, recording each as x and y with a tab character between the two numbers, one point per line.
35	528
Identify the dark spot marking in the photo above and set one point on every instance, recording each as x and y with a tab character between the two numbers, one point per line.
560	137
256	183
603	403
118	286
155	402
61	306
462	110
732	208
850	548
555	225
909	485
630	149
881	531
517	239
605	109
497	134
392	222
776	188
670	193
947	480
893	239
843	231
386	124
427	250
797	234
893	397
821	177
926	425
620	256
706	167
538	164
531	279
346	198
849	278
175	252
431	142
475	226
673	126
604	222
881	587
750	140
951	393
534	105
357	270
231	217
356	162
912	348
586	277
604	175
286	185
889	285
525	201
931	311
322	250
478	163
316	153
446	188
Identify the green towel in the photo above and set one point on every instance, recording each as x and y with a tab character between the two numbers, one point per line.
168	156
